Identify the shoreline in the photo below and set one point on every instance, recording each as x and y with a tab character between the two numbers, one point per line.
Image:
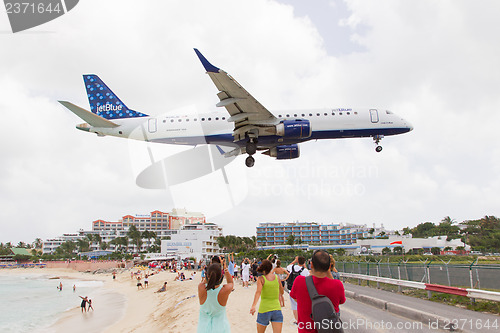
175	311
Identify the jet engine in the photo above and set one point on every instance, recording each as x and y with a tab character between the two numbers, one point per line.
294	129
285	152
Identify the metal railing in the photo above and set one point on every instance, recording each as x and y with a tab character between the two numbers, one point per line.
469	275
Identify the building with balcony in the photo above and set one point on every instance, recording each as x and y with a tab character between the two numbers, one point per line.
162	223
275	234
197	241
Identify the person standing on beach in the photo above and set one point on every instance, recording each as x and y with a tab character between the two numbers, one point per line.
230	265
269	290
139	283
60	286
324	284
213	299
245	272
295	269
83	305
90	305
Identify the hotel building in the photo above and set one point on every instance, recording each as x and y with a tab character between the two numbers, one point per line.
272	234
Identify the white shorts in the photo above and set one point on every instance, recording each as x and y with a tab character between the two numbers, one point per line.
293	303
245	277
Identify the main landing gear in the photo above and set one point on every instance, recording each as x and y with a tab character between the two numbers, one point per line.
251	148
377	139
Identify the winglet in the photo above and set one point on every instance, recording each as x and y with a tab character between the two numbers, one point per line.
208	66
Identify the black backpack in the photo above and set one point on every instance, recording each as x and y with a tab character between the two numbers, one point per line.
291	278
323	314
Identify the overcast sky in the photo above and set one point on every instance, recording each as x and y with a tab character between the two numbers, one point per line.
435	63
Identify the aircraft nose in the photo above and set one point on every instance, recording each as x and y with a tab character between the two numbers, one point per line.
408	125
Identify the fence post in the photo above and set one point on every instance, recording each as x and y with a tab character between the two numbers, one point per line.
429	293
400	289
472	300
478	281
378	273
367	272
359	271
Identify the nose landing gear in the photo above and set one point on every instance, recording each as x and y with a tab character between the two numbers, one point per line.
376	139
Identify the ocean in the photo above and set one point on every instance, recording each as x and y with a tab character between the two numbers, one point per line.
32	303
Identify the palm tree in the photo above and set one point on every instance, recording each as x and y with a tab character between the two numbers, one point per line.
83	245
37	243
290	240
103	245
135	236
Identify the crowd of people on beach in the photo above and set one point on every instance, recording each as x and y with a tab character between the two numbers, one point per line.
301	279
305	283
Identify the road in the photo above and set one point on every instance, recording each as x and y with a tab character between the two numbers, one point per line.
359	317
465	320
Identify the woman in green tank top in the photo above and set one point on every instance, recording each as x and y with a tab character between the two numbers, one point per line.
269	289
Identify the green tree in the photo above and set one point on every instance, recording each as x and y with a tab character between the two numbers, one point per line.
290	240
136	237
436	250
398	250
386	251
340	252
37	243
83	245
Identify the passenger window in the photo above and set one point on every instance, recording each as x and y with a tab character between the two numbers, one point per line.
202	119
217	118
317	114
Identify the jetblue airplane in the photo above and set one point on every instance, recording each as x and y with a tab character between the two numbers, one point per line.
245	128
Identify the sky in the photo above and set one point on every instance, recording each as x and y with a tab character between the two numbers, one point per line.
434	63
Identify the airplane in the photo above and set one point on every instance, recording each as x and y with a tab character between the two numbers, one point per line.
245	126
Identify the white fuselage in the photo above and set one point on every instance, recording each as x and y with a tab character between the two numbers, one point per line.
213	128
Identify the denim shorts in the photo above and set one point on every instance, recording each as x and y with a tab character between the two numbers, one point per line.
271	316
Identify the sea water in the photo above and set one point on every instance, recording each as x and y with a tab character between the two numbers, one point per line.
29	303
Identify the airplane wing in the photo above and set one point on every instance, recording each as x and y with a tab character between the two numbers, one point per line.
246	112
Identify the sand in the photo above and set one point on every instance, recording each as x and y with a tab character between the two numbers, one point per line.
175	310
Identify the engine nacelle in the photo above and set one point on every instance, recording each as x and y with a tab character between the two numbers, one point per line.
294	129
285	152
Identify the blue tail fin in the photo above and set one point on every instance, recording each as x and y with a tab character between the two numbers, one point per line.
104	102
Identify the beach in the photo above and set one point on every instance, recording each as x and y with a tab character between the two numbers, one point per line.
120	307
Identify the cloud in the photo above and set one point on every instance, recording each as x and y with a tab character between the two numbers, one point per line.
434	64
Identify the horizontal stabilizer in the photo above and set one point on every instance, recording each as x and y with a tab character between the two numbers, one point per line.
91	118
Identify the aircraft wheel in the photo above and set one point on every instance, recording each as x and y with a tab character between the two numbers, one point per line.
251	148
250	161
378	149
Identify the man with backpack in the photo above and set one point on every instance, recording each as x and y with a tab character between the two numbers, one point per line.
296	268
318	303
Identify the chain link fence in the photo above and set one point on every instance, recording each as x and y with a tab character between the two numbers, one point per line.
465	276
